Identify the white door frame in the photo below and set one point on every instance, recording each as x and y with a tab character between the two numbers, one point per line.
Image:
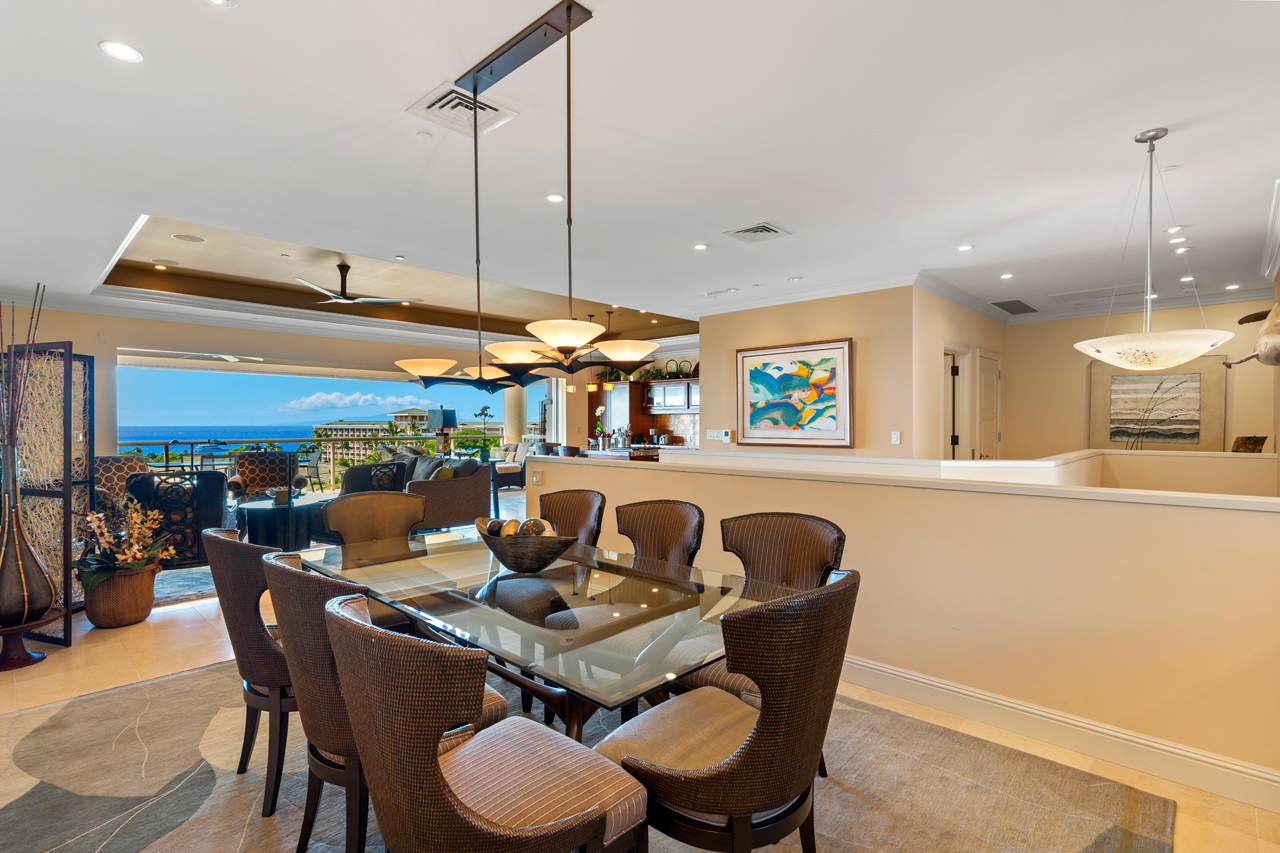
966	413
999	360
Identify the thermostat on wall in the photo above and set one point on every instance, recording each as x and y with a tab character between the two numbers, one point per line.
725	435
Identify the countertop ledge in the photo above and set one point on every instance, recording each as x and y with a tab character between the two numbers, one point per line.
1079	493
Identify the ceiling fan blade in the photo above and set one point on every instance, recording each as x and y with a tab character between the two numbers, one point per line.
373	300
328	293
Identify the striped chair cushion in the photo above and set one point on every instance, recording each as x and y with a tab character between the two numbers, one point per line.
521	773
718	675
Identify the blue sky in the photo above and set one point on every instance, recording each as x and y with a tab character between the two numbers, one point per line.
195	398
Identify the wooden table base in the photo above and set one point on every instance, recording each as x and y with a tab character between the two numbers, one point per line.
14	654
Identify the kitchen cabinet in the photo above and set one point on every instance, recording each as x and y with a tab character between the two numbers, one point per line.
624	405
670	396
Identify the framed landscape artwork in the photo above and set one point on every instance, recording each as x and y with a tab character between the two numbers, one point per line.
800	395
1182	408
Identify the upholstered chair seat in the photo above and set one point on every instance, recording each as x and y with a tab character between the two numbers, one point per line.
188	502
375	477
516	785
724	775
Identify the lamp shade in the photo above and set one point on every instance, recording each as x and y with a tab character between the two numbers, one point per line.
564	334
426	366
626	350
442	418
1154	350
514	352
490	372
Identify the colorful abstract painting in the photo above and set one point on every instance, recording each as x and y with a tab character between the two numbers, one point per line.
795	395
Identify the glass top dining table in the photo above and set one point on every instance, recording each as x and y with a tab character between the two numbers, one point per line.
604	627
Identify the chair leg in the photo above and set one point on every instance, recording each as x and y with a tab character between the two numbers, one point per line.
251	716
808	844
740	827
641	837
822	766
315	785
277	742
357	805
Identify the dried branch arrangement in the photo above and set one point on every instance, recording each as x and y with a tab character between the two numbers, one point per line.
13	382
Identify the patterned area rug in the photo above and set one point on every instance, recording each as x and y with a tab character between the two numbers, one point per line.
178	585
151	767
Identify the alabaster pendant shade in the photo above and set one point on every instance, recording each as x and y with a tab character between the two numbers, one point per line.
426	366
626	350
564	334
514	352
1154	350
490	372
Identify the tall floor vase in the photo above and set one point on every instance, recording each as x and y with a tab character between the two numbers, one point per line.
26	590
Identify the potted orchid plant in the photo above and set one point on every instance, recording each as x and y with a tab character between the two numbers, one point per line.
599	440
119	568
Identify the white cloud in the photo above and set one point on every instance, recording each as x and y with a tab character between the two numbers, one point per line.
337	400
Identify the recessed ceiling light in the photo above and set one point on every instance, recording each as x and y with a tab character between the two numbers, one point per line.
963	248
423	135
161	267
1233	287
1180	251
794	278
120	51
700	246
755	285
555	198
1172	167
225	4
404	303
284	254
1174	229
642	311
1188	278
731	290
613	306
399	257
1154	296
165	262
1007	275
1178	240
187	238
653	321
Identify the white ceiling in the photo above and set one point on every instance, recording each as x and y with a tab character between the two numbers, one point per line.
882	134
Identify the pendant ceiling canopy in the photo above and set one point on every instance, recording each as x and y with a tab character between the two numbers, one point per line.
1148	350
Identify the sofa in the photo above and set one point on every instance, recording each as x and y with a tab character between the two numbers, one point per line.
453	499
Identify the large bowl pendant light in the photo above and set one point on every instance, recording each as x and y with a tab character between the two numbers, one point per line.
1148	350
567	340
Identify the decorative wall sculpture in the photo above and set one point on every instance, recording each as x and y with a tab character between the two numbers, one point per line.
799	395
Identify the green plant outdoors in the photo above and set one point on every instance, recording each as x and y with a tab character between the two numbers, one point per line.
132	549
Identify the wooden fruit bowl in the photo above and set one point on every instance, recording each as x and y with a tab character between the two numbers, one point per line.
527	554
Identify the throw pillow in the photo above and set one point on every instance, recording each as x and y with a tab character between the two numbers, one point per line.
444	472
409	450
466	468
426	466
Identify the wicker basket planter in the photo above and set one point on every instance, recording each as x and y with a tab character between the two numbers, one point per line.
126	598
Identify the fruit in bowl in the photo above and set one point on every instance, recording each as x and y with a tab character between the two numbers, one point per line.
527	546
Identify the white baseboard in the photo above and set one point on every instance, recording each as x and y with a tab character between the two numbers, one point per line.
1226	777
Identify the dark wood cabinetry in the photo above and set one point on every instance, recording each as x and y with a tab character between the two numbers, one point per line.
624	404
669	396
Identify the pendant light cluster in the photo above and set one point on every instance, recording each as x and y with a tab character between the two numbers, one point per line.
564	343
1148	350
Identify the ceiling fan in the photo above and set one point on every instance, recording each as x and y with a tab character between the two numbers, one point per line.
341	296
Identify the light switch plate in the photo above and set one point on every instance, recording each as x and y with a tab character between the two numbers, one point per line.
895	438
537	478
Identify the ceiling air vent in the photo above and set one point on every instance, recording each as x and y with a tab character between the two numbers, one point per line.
1014	306
1125	293
450	107
758	233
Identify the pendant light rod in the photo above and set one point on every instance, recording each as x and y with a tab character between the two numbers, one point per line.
568	142
1150	137
475	173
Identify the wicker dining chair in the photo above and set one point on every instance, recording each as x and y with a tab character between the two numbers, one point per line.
782	549
268	686
516	786
665	530
746	781
574	512
299	597
373	516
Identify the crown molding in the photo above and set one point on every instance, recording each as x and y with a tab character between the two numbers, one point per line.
726	303
130	302
951	293
677	345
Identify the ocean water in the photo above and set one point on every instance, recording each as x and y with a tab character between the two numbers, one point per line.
233	435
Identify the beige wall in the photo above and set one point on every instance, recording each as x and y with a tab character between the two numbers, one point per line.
1158	619
338	356
879	323
935	320
1046	382
1207	473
